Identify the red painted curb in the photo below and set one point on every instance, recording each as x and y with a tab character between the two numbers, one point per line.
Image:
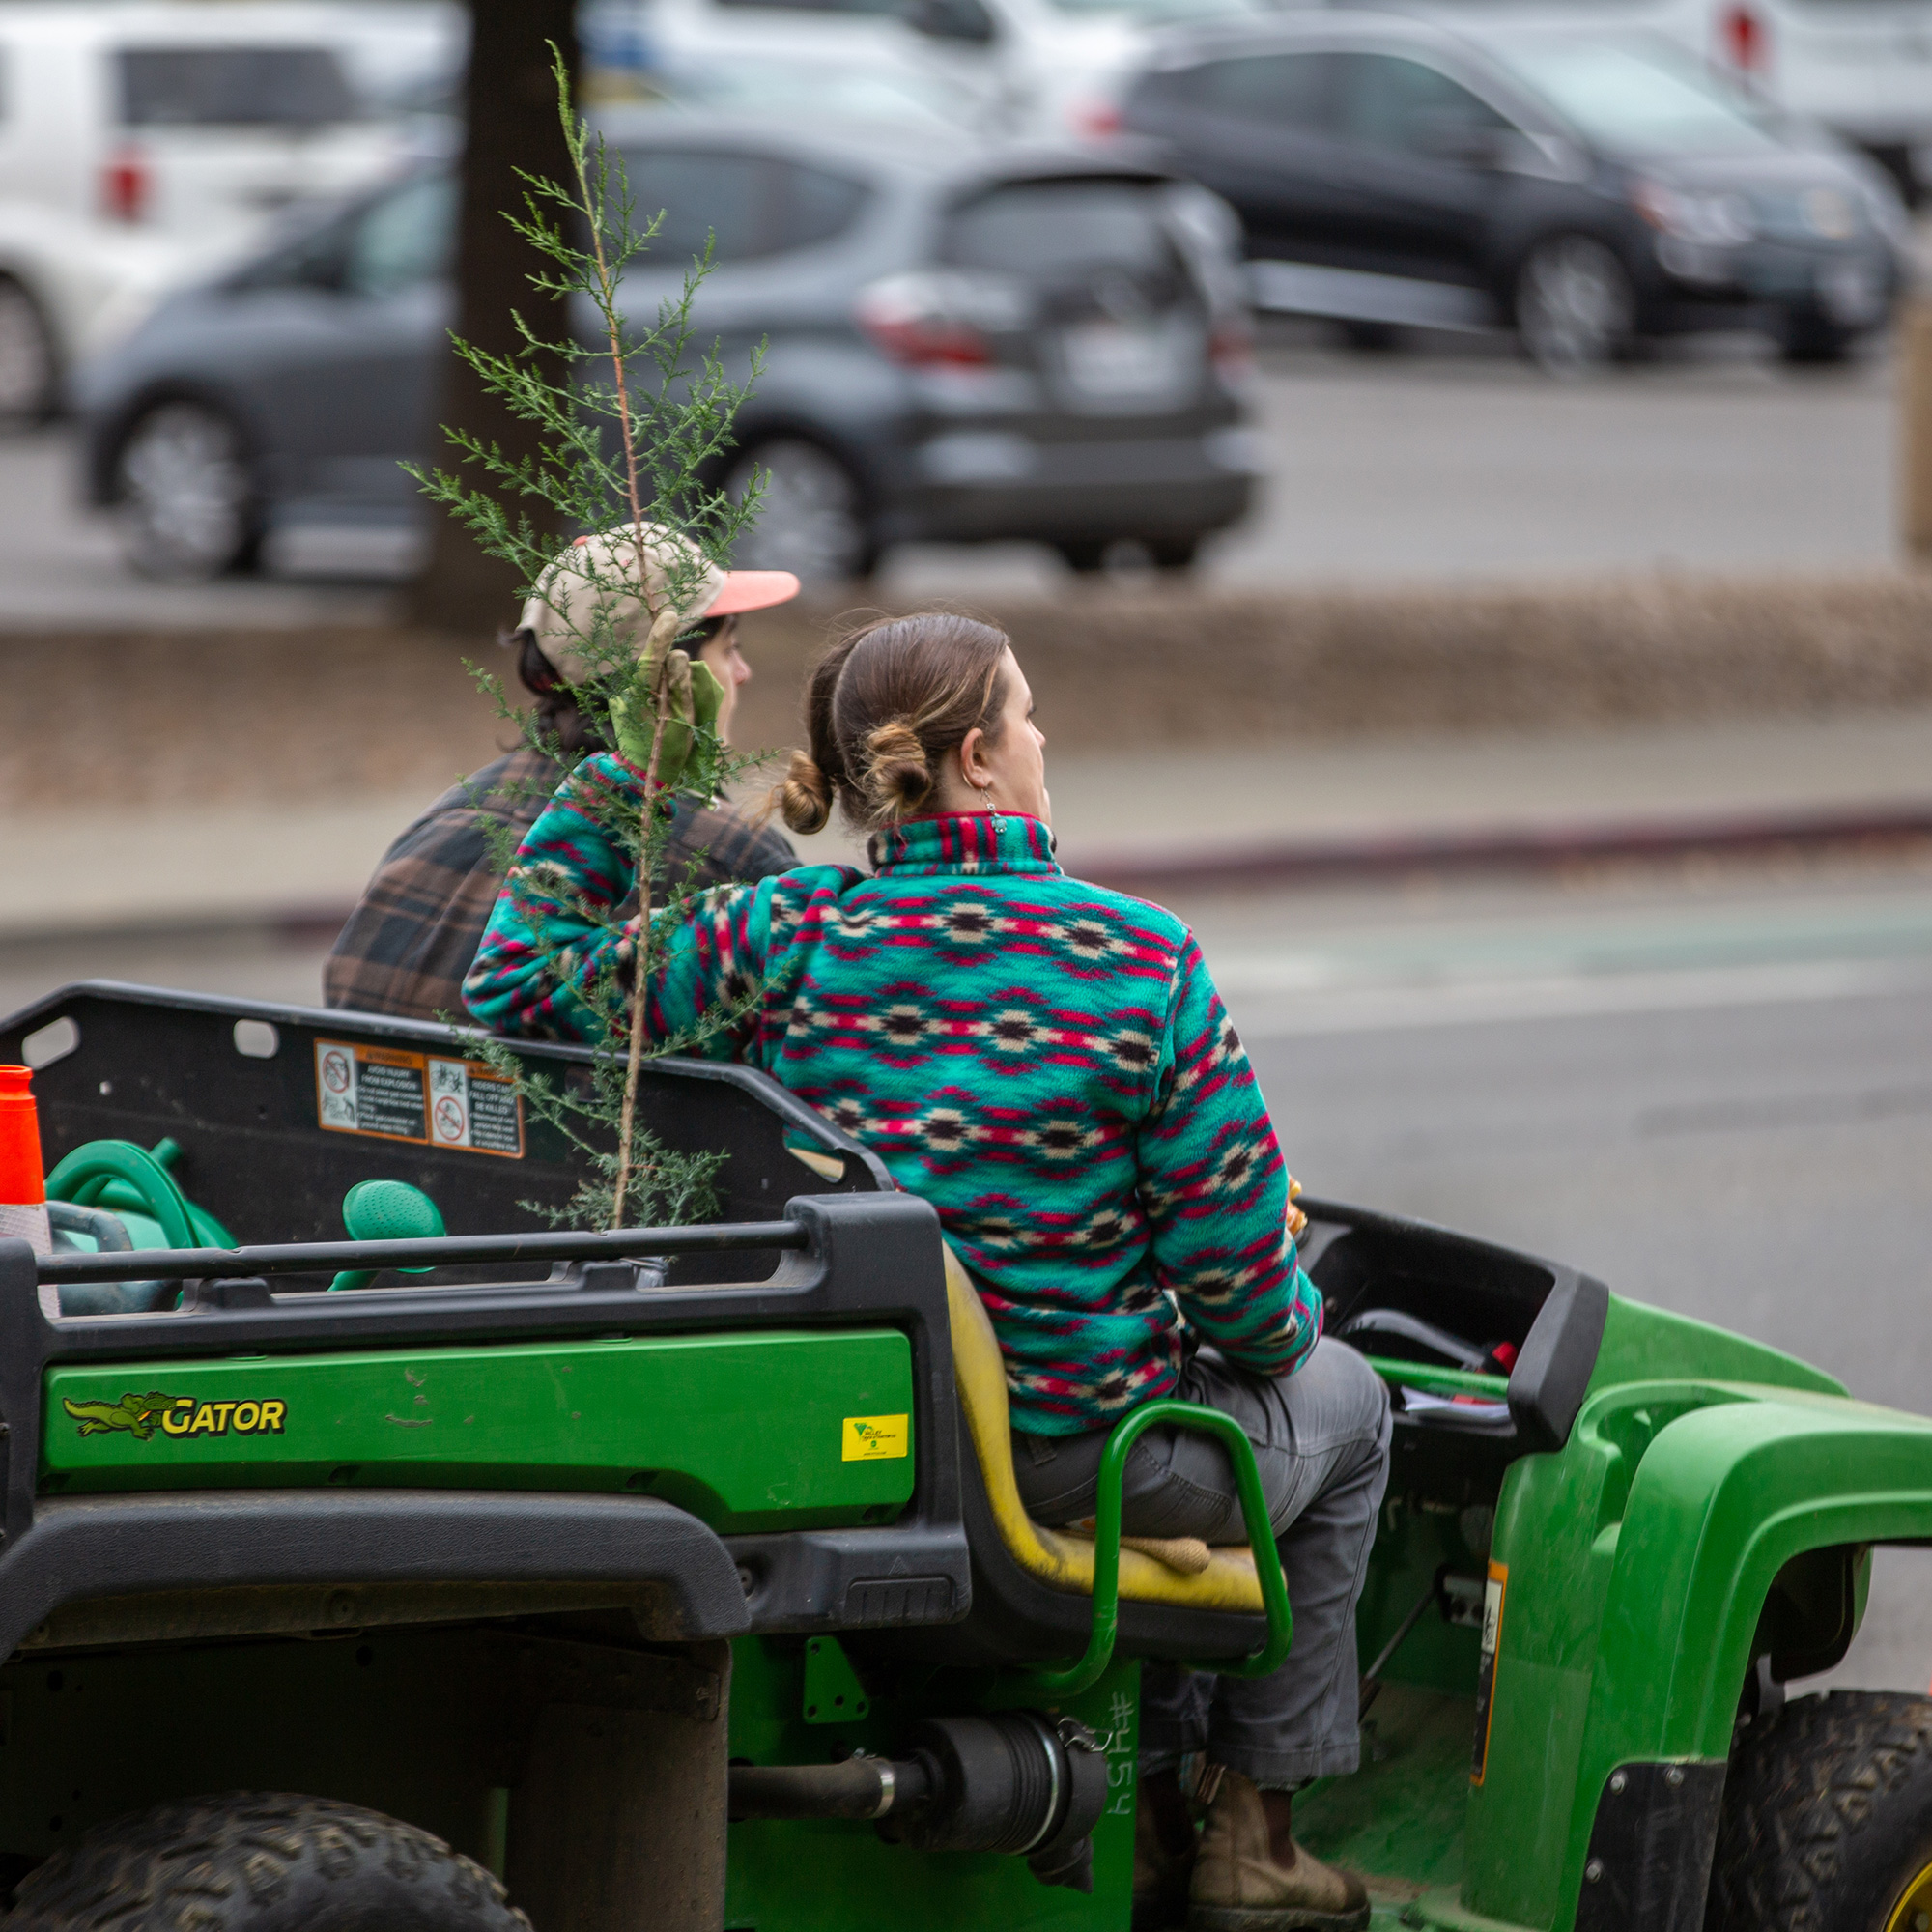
1264	864
1504	848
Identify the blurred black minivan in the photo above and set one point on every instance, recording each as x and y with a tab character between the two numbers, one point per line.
1587	190
964	342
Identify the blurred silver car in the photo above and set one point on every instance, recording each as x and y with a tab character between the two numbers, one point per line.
965	342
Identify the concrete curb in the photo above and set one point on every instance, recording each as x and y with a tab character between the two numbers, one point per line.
1234	866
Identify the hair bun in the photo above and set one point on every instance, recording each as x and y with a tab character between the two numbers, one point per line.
804	797
898	779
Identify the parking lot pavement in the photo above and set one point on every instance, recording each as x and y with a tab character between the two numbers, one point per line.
1459	461
60	565
1452	462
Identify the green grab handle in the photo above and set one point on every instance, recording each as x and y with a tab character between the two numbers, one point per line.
1451	1381
89	1171
1099	1653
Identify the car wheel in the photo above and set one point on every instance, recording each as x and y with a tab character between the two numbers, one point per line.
1087	555
29	369
812	516
1807	341
1372	338
1827	1820
1575	306
1176	553
189	505
260	1861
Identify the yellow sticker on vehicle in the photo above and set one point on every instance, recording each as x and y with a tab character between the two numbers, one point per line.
1486	1665
877	1439
176	1415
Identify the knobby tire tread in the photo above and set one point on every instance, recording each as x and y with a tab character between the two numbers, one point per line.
1818	1798
220	1863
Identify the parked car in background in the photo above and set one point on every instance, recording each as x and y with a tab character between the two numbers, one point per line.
141	143
1054	67
795	78
1591	191
1861	67
964	342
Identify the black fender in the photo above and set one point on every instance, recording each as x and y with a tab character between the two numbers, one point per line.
89	1548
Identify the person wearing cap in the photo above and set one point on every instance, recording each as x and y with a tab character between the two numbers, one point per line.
415	931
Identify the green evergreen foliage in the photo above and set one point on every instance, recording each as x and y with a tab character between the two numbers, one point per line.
628	435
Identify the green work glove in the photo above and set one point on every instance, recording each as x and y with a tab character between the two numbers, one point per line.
692	699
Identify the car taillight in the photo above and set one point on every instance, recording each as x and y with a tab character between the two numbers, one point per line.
1095	120
1231	348
926	341
127	183
933	320
1745	39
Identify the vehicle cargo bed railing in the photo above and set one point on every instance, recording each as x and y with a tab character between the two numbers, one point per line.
442	1251
843	1260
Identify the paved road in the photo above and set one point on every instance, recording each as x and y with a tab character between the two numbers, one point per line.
1437	465
1711	1089
1713	1093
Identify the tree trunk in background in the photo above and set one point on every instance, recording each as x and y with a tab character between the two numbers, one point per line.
510	112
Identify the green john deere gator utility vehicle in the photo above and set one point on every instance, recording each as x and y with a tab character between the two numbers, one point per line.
676	1580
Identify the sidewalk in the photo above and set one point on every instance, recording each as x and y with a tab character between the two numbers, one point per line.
1147	821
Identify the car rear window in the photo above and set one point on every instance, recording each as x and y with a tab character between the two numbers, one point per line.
1388	101
232	87
746	205
1276	90
1062	229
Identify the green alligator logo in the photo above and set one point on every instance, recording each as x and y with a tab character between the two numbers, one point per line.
137	1413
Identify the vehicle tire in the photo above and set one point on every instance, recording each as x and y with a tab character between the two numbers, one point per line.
1176	553
1827	1820
811	518
260	1861
1086	555
29	364
1807	341
190	504
1575	309
1372	338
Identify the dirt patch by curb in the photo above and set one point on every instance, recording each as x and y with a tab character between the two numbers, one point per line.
155	717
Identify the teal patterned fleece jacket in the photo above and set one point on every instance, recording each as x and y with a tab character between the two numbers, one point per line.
1046	1062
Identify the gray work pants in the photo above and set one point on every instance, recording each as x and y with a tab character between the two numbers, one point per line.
1321	1444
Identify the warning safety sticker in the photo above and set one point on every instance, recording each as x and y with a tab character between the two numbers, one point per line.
414	1096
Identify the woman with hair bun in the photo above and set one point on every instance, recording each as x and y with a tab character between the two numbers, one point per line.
1049	1065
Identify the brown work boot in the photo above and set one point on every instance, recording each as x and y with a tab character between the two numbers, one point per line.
1163	1854
1240	1887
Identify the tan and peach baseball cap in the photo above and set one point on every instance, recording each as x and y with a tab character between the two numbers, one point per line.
596	570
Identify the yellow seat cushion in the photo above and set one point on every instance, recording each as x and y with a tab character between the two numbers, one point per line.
1064	1562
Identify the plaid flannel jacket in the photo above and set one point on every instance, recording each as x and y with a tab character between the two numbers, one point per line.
414	934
